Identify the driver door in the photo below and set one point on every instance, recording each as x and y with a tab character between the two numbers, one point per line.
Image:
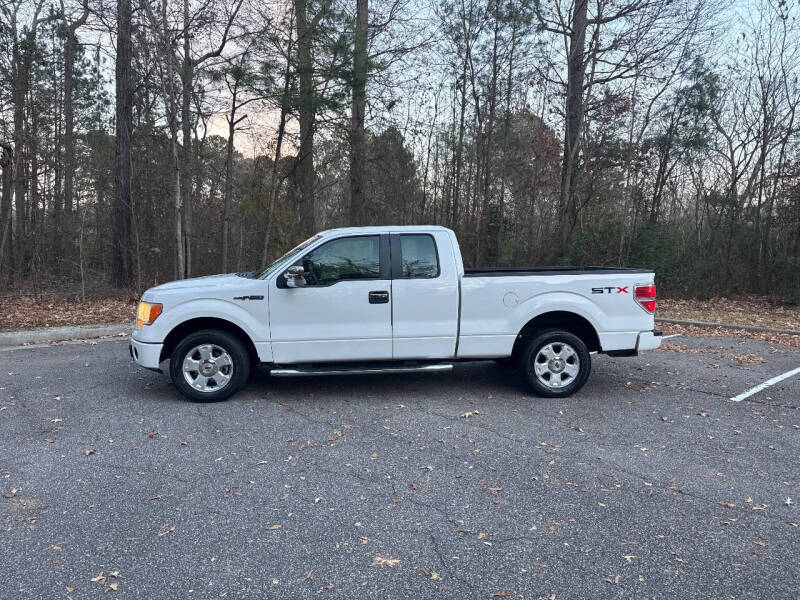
344	312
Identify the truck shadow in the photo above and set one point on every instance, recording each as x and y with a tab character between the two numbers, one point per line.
471	379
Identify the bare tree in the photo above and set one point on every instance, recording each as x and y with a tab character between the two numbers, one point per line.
70	49
358	150
121	268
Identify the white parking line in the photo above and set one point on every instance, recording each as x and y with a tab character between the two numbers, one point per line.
766	384
666	337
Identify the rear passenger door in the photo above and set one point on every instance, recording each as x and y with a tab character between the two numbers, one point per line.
424	296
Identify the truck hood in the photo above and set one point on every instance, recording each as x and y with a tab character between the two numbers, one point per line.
198	286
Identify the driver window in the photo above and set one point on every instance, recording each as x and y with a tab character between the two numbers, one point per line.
346	258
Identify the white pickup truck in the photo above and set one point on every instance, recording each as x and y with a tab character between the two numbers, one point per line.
391	299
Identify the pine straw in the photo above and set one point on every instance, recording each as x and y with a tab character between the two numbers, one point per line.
31	312
792	341
745	310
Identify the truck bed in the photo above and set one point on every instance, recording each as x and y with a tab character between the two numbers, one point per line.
559	270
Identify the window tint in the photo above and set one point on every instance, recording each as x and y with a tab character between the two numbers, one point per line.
418	256
345	258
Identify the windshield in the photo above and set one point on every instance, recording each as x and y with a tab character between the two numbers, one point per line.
290	254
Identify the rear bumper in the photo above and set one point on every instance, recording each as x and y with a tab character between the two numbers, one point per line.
648	340
146	355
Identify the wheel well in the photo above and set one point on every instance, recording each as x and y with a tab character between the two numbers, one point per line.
575	324
192	325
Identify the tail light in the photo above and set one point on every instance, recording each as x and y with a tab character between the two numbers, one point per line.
645	295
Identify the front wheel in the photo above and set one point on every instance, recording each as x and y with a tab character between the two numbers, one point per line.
209	366
556	363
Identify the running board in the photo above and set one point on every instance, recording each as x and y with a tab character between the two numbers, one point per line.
359	370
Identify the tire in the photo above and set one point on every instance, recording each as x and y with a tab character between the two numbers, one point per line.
569	364
222	362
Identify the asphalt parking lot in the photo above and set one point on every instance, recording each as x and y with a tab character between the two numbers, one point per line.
650	483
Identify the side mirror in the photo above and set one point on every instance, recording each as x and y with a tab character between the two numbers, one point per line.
294	277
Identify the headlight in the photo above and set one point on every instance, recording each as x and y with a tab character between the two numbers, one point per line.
147	313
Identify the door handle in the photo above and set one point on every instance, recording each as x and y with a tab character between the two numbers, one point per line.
379	297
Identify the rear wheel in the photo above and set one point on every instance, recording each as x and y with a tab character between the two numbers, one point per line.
556	363
209	366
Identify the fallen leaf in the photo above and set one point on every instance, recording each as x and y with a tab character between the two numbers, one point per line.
112	587
727	504
481	536
88	451
69	589
274	527
310	575
469	414
99	577
502	594
788	501
384	561
414	487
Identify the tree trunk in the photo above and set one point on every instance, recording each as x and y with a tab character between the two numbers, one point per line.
275	184
64	215
506	126
358	150
7	165
573	118
483	215
459	154
121	234
18	98
70	49
306	115
228	200
187	80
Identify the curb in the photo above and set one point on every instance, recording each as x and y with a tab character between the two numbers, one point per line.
44	335
708	325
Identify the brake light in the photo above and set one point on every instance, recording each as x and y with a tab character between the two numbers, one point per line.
645	295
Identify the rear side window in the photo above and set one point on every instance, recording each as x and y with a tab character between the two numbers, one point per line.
418	256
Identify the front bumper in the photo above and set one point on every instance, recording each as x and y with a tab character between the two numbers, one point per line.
146	355
648	340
